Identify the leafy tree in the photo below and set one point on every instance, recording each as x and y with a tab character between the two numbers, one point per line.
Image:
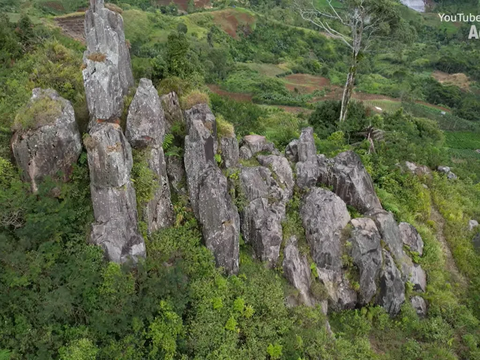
357	23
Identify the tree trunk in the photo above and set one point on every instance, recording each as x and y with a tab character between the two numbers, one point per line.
348	90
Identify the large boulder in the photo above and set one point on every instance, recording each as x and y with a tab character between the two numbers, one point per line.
145	131
392	288
199	154
229	151
420	306
267	194
52	144
367	256
113	196
107	72
254	144
219	218
390	232
202	113
306	145
411	237
146	119
418	278
291	151
315	171
324	216
176	174
297	271
172	109
352	183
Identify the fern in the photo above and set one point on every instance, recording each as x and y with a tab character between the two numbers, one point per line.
168	141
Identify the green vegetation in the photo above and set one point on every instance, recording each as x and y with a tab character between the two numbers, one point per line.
59	298
40	112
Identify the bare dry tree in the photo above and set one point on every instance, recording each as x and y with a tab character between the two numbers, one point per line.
357	23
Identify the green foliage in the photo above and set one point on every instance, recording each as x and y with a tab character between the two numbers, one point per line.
224	128
40	112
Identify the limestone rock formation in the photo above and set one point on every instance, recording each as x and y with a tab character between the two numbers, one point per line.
229	151
267	193
472	224
411	237
219	219
390	232
476	243
208	192
291	151
324	216
392	288
176	174
107	74
352	183
418	278
315	171
113	196
297	271
367	256
146	119
172	109
306	145
50	148
253	144
145	131
420	306
418	169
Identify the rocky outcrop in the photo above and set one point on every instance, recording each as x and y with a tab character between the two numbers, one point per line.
291	151
472	224
176	174
172	109
367	256
324	216
420	306
297	271
419	170
390	232
208	192
219	219
392	288
315	171
203	114
145	131
51	147
447	171
352	183
199	154
306	145
267	193
418	278
476	243
107	69
411	237
254	144
229	151
113	196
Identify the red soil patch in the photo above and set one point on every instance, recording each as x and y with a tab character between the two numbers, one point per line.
235	96
305	83
461	80
54	5
183	4
294	109
72	26
232	21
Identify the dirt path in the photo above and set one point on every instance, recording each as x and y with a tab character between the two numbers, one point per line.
457	276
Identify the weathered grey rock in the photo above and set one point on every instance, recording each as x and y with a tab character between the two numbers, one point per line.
145	131
202	113
172	109
472	224
352	183
392	288
176	174
297	271
51	148
146	119
324	216
113	196
263	214
219	219
291	151
390	232
419	170
229	151
420	306
314	171
418	278
476	243
253	144
107	74
367	256
451	176
282	170
306	145
443	169
411	237
199	154
158	212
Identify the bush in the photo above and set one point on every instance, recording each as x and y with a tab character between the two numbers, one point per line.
39	113
194	98
224	128
97	57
